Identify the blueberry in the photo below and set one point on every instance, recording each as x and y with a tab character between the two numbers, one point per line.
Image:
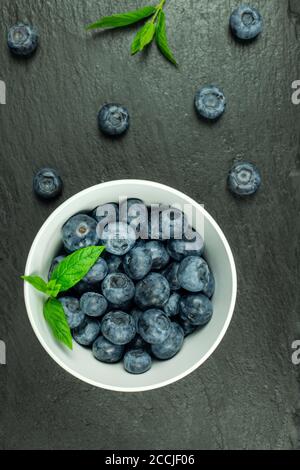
171	346
86	333
118	327
159	254
107	213
79	232
154	326
246	22
95	275
124	306
138	343
173	223
152	291
93	304
193	246
187	327
137	263
47	183
197	309
137	361
118	238
135	213
155	228
105	351
193	274
54	265
244	179
136	314
75	316
113	119
114	264
170	273
209	288
210	102
171	308
22	39
118	288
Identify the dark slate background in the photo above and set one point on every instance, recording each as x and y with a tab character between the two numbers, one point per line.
247	395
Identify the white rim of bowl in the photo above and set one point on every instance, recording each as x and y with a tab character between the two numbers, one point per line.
178	377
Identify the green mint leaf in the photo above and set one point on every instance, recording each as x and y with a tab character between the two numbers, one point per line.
147	34
162	40
75	266
53	288
37	282
135	46
122	19
55	316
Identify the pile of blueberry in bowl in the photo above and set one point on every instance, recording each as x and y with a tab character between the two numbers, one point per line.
148	292
80	223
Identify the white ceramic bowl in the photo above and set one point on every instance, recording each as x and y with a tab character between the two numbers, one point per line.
197	347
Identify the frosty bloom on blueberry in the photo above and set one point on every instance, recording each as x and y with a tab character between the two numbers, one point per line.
47	183
210	102
246	22
142	298
244	179
22	39
113	119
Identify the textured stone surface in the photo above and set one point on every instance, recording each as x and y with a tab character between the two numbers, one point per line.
247	394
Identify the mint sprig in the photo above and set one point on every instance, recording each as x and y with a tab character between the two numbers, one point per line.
154	28
55	316
66	275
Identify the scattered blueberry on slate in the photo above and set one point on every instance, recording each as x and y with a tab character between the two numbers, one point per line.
79	232
142	297
47	183
113	119
246	22
118	327
210	102
22	39
244	179
137	361
105	351
171	345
